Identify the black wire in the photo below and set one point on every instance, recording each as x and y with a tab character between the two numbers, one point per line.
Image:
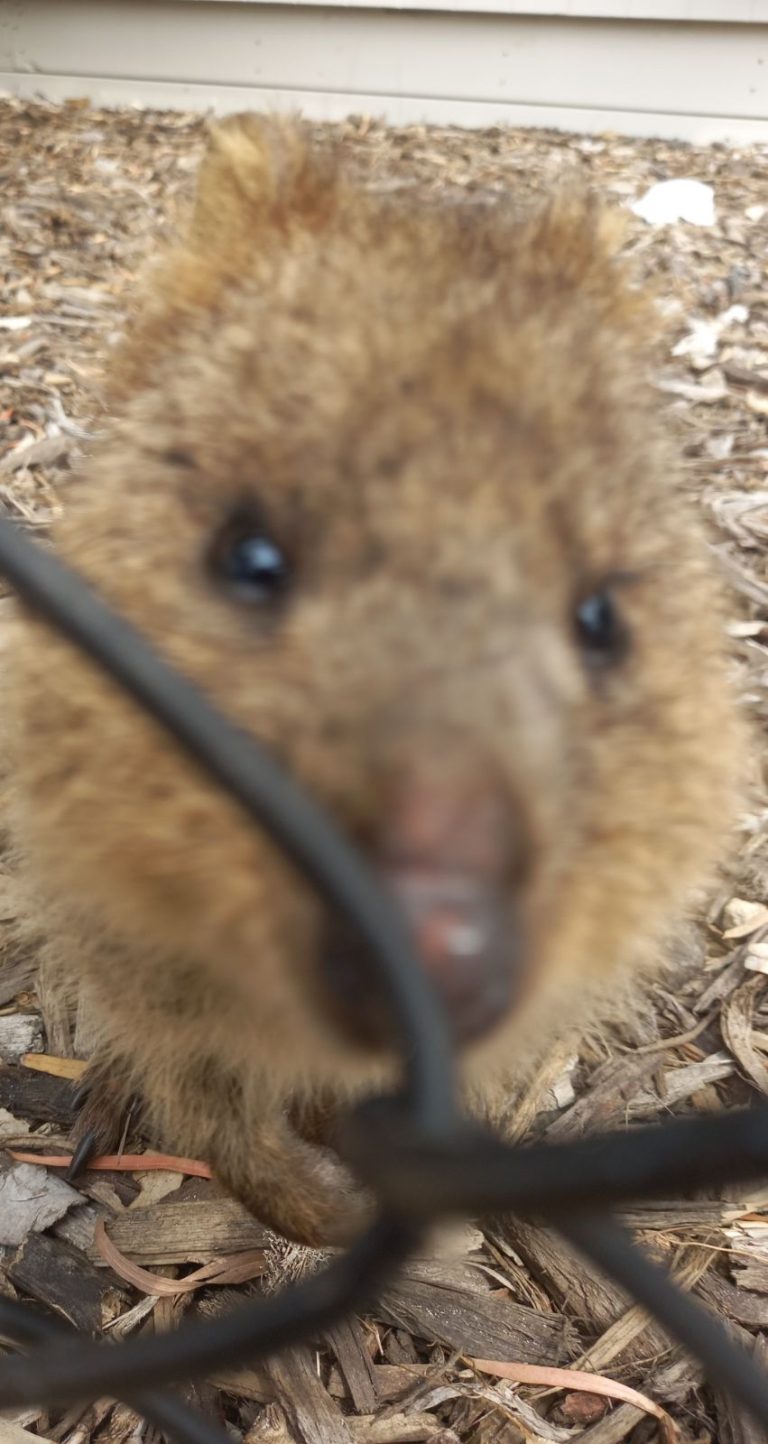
256	782
608	1245
477	1174
172	1416
68	1372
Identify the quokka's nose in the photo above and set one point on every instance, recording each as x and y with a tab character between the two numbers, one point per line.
450	852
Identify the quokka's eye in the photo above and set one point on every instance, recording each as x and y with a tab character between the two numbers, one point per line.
601	631
247	560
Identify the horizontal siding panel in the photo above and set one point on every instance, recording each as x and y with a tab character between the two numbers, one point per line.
686	80
395	109
502	59
730	12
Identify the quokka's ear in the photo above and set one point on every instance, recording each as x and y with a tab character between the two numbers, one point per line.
577	232
261	174
575	243
262	186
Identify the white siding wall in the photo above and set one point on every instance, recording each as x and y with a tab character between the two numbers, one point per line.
699	73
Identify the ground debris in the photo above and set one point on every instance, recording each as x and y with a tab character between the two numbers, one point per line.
61	1278
181	1233
735	1425
20	1033
31	1200
451	1305
313	1415
349	1344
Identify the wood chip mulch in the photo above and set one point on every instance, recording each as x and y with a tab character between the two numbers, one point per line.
85	195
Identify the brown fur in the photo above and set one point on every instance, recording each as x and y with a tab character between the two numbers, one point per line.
443	413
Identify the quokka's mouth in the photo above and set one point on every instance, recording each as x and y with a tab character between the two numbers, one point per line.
464	933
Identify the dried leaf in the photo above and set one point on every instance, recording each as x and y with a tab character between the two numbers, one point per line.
737	1028
757	401
121	1162
13	1434
72	1068
744	918
542	1374
235	1269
